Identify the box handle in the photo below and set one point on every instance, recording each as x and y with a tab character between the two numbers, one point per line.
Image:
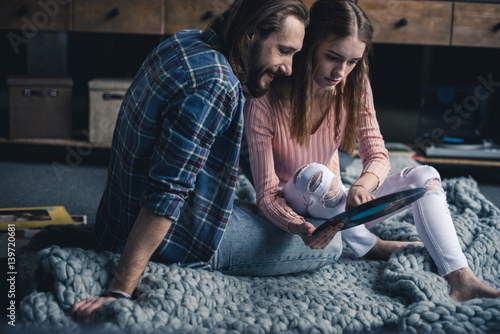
108	96
496	28
113	13
25	9
40	92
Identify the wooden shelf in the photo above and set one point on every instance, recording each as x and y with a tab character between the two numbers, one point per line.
54	142
471	23
450	23
457	161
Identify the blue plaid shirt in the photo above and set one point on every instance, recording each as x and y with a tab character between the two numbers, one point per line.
175	150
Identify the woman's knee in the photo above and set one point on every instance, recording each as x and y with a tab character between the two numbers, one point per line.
317	179
311	177
312	185
423	176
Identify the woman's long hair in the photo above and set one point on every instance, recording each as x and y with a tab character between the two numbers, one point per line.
247	17
344	19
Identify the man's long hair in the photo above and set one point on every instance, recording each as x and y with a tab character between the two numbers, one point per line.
344	19
245	18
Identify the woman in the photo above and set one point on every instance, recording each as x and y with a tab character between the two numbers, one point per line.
295	131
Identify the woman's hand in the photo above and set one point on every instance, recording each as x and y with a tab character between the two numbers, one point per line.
357	195
305	231
86	310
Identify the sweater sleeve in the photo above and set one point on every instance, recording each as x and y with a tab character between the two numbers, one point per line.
372	151
259	130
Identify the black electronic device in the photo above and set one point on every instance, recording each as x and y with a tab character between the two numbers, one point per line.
453	123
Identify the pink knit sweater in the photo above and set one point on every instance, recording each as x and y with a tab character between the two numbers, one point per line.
274	157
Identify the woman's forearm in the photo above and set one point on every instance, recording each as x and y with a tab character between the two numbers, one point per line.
369	181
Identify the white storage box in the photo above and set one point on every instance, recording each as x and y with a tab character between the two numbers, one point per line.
105	99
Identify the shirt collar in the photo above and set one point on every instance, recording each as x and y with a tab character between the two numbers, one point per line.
210	36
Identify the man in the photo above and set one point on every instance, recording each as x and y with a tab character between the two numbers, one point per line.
174	158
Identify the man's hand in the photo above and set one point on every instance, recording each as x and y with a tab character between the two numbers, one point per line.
86	310
305	231
147	233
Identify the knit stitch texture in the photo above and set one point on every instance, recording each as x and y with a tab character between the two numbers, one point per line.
354	295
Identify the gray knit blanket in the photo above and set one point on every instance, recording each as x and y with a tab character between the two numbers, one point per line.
354	295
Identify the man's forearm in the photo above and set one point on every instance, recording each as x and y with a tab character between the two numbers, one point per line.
148	231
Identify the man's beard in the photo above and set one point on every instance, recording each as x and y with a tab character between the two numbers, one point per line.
256	72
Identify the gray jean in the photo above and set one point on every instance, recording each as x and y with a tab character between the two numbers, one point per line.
253	246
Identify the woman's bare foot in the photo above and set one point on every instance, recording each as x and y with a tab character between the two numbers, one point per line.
384	248
465	285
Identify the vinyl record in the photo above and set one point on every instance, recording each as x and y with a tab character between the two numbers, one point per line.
374	209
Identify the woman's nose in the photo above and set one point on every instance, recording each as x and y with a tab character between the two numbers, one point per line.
339	71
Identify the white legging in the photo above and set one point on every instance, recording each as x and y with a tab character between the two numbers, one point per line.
315	191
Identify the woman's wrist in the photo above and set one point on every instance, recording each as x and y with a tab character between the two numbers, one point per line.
360	186
294	222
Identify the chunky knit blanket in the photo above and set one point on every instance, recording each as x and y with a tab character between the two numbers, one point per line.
354	295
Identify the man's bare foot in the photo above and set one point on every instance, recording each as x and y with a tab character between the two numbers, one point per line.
465	285
384	248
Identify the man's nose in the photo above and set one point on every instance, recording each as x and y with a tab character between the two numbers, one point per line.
286	67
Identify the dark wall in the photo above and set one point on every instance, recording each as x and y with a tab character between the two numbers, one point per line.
399	74
88	55
402	74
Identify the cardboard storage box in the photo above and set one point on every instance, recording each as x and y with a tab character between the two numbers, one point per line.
40	107
106	95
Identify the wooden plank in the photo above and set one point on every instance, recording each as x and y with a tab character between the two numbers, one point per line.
31	16
195	14
452	161
119	16
53	142
476	24
191	14
409	22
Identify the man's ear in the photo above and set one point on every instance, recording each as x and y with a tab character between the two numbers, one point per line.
250	40
250	37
